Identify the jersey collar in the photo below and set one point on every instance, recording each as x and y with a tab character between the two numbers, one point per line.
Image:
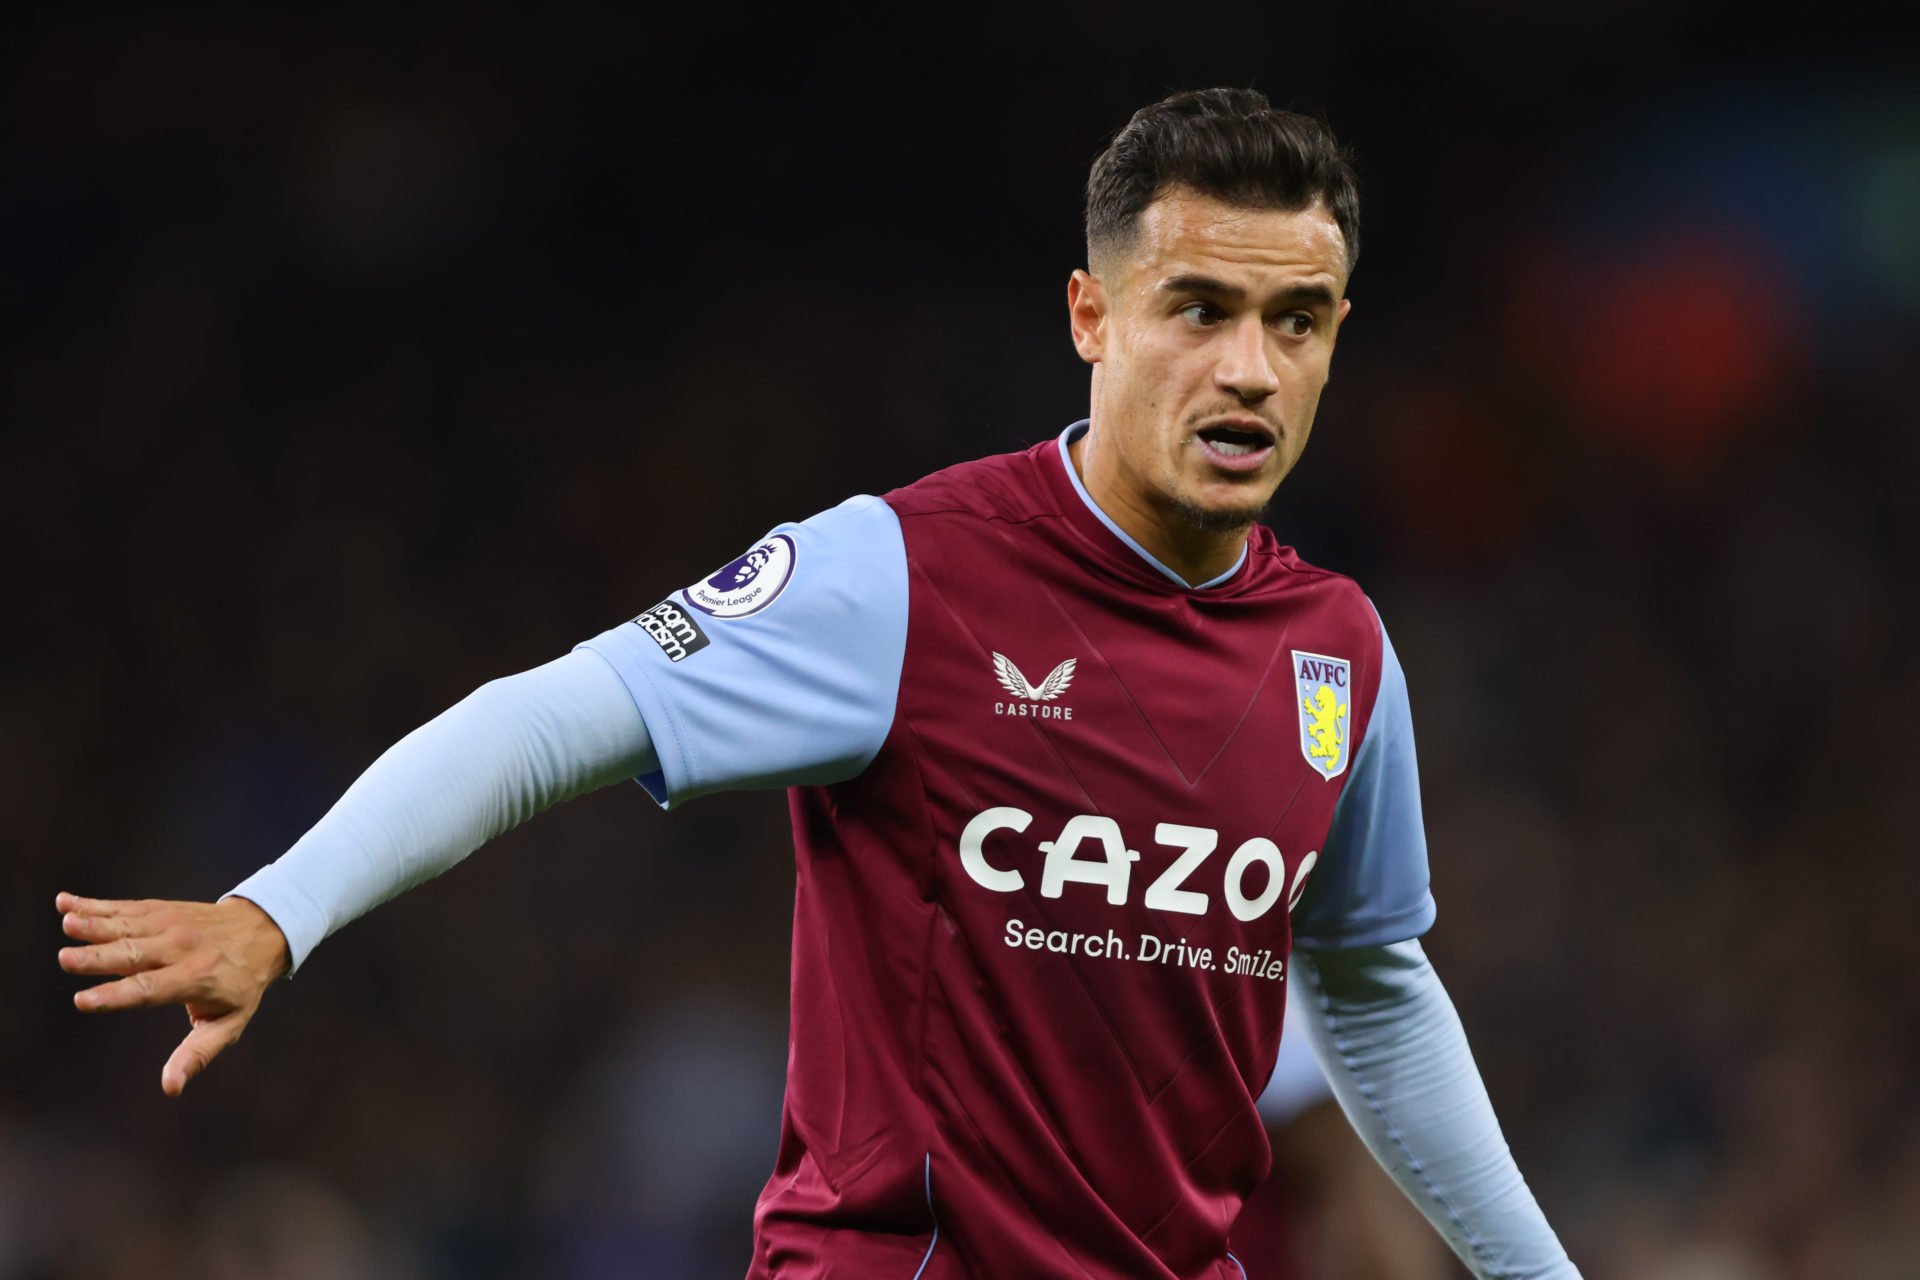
1073	433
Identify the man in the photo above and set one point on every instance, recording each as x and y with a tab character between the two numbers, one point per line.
1077	754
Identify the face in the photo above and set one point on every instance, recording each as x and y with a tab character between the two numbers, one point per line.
1210	336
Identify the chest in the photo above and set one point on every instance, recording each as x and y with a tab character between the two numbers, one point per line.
1100	756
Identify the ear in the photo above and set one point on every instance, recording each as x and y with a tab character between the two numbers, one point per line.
1087	315
1340	318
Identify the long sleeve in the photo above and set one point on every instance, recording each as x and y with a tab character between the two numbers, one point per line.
1394	1050
512	748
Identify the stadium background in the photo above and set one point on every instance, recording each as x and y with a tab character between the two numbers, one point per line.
350	362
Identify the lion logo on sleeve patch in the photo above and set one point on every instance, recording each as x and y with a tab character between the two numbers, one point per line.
746	585
1325	686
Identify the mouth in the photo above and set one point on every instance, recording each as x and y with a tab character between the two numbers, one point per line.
1236	444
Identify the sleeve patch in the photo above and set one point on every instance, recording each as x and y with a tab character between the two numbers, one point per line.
796	668
670	627
749	584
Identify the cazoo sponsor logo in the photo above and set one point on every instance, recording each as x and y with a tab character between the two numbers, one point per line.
1092	850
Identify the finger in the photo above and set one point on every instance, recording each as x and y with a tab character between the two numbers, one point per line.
136	991
203	1044
128	955
104	928
101	906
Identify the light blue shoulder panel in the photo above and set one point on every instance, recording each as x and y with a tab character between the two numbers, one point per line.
1370	886
780	670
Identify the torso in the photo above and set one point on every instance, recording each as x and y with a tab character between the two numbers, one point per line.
1040	941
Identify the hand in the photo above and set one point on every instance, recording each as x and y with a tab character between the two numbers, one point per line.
216	958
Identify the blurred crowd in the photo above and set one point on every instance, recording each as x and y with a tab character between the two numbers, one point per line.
344	371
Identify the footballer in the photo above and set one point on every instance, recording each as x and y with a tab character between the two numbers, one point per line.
1085	771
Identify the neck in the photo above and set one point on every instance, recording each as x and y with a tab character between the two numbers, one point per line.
1197	555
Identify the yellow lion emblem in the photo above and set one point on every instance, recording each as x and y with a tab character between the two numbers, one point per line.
1326	714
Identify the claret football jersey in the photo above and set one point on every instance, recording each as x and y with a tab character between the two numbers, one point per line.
1059	820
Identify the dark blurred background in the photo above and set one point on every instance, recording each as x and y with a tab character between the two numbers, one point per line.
352	360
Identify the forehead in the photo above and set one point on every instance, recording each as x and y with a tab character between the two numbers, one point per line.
1185	233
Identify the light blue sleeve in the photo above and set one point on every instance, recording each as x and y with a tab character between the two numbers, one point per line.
1394	1050
511	748
783	668
1297	1083
1370	885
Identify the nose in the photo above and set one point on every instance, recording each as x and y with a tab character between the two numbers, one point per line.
1245	368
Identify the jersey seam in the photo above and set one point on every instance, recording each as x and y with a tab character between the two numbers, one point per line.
682	746
906	640
912	748
1298	569
1335	941
1335	1031
935	1217
1364	752
977	515
999	1167
682	741
1066	771
924	1000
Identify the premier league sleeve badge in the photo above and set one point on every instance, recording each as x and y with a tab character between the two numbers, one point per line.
747	585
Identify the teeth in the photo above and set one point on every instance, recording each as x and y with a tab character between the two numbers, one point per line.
1231	448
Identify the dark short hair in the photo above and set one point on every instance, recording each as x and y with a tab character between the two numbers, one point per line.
1230	144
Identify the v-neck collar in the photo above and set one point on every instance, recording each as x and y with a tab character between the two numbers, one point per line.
1073	433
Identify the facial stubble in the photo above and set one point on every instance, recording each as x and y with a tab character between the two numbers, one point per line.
1217	519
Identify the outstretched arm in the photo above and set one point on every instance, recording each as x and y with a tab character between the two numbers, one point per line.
789	680
512	748
1396	1055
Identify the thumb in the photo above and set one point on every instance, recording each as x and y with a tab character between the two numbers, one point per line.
202	1045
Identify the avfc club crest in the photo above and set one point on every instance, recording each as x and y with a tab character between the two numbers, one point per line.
1325	686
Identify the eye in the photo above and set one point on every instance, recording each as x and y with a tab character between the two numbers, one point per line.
1296	324
1202	313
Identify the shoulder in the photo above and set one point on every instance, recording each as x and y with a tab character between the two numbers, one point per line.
1003	486
1328	626
1278	567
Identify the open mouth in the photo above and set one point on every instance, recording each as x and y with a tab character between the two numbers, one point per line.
1235	447
1234	442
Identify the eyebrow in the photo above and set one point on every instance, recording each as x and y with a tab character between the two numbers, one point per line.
1221	289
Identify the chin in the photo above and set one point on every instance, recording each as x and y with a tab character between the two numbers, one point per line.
1219	518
